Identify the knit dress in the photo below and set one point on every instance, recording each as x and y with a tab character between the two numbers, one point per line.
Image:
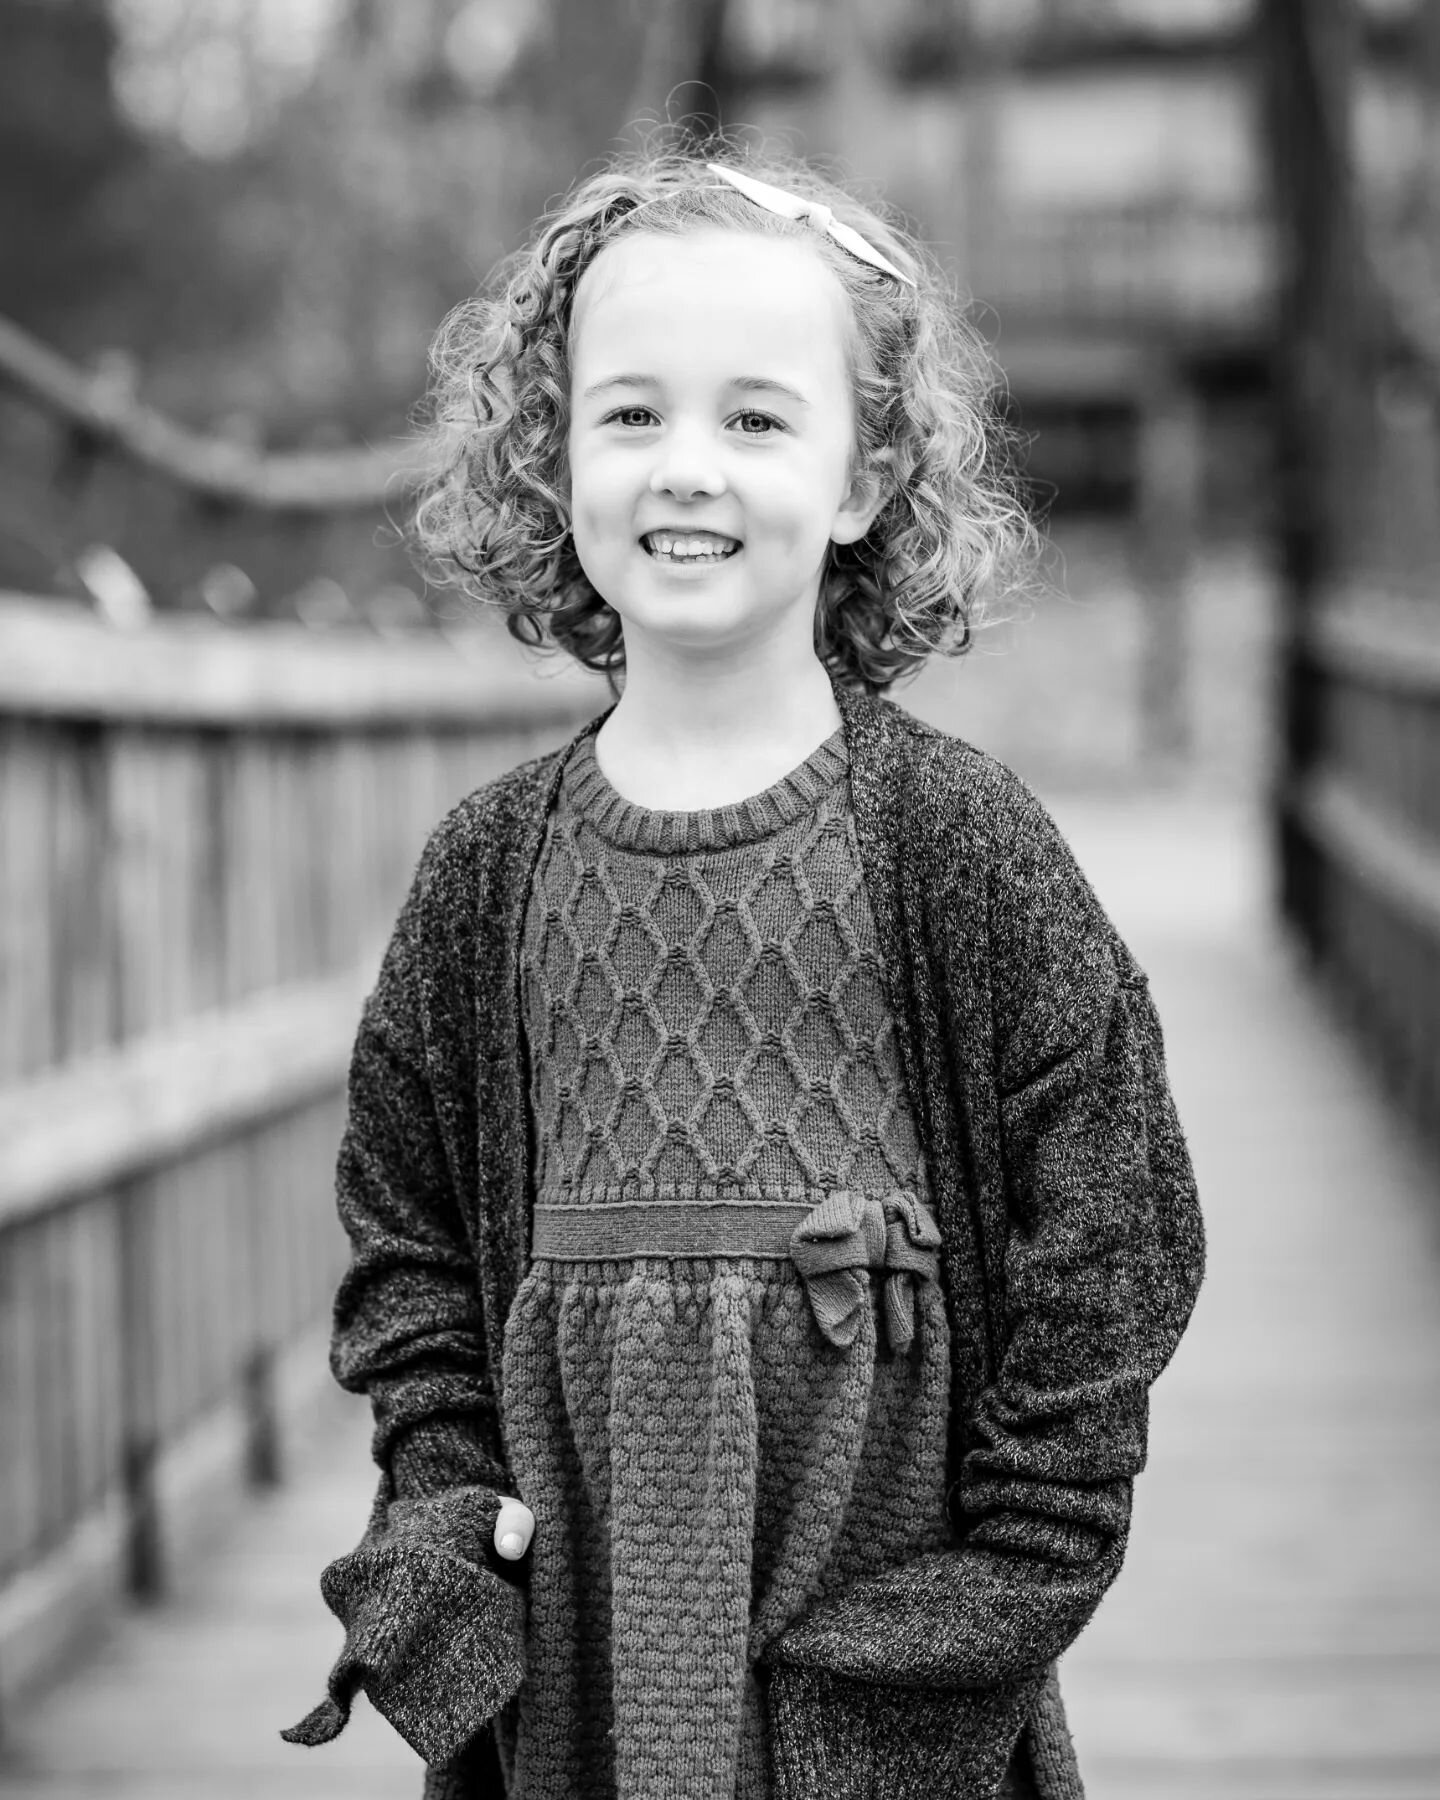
726	1373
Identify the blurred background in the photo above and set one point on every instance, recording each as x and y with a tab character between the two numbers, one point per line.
1203	238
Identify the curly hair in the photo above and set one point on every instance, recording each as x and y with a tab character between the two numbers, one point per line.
492	518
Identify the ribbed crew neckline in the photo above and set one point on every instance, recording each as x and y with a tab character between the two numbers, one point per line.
634	827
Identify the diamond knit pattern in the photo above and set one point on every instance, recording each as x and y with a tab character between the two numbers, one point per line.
706	1020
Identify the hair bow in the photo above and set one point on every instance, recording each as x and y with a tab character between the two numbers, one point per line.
809	212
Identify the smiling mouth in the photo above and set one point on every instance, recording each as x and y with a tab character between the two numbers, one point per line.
692	547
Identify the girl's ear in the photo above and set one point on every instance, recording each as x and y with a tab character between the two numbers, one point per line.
868	491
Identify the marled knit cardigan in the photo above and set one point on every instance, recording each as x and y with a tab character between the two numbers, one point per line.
1073	1254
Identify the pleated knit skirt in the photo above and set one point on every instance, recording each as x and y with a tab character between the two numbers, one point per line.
702	1463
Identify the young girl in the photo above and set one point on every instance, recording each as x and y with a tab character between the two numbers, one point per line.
768	1211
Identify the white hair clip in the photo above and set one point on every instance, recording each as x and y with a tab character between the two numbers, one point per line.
809	212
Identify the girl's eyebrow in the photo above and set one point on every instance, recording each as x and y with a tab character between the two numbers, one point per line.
613	381
760	384
745	384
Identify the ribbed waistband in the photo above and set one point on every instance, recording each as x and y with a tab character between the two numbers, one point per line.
834	1243
599	1230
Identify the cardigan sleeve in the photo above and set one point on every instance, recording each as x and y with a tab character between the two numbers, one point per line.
1103	1264
434	1617
408	1328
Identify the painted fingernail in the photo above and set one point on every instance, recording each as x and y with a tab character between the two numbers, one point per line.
513	1544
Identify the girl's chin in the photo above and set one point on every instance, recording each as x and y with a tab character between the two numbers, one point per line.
704	609
660	600
686	622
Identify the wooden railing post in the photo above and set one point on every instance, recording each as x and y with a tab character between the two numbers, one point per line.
145	1573
264	1466
1319	361
1167	525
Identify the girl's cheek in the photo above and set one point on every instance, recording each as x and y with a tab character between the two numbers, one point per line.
603	478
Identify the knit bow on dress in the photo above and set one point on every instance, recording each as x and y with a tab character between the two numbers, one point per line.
847	1234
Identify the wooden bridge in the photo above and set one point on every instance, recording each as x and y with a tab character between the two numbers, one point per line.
205	831
176	1466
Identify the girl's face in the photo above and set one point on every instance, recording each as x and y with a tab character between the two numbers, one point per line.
710	437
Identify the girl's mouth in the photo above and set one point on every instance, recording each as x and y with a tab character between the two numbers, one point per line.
691	547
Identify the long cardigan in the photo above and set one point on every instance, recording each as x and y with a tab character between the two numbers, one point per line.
1073	1254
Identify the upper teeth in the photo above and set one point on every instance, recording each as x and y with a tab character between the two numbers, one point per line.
676	543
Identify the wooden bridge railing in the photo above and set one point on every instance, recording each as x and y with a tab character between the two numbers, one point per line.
1356	362
204	837
1360	827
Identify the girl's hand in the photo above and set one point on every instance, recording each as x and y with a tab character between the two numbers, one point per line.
513	1529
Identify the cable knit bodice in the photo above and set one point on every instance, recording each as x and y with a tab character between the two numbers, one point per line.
706	997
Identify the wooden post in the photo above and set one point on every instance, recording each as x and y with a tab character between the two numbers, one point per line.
1319	360
983	248
1169	478
263	1462
145	1575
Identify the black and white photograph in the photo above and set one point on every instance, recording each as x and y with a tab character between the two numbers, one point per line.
719	899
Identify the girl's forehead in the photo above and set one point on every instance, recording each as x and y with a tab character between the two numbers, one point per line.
697	289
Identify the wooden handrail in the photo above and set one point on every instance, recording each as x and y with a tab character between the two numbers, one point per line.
58	659
113	1114
1392	644
106	409
1356	834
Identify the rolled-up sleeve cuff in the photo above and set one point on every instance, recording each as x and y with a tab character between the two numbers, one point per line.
433	1637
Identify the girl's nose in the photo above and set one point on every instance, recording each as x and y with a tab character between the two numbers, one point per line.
686	466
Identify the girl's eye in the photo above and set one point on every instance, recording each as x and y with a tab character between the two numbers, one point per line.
637	418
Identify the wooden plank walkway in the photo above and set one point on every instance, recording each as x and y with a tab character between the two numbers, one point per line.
1275	1634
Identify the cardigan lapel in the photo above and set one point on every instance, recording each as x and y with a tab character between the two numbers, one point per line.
939	1018
880	787
500	1230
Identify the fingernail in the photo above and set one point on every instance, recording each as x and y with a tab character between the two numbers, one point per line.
513	1544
